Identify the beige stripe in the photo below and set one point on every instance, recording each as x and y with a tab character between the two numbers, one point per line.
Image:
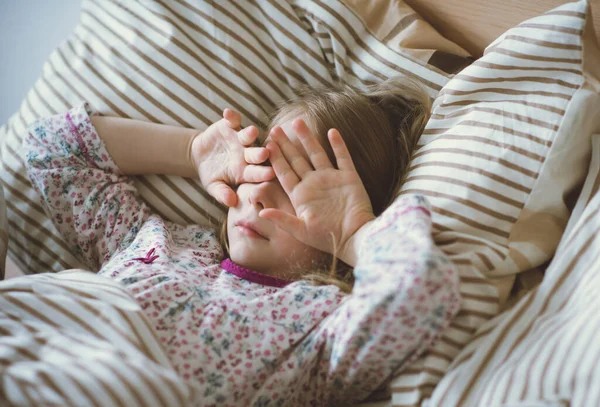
318	58
498	112
547	44
490	65
440	355
159	195
131	387
567	13
504	79
553	352
583	355
216	60
403	23
490	158
114	51
492	194
347	69
19	177
55	93
131	83
548	332
167	202
550	27
451	342
429	370
469	330
68	67
548	108
231	50
198	189
23	387
163	70
157	390
184	197
258	24
142	344
274	41
500	338
529	57
192	72
70	315
250	31
39	246
207	63
465	202
468	168
482	298
22	351
516	92
474	280
487	262
484	140
45	267
464	313
364	46
41	99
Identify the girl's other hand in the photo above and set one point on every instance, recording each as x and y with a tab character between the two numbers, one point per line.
331	203
224	156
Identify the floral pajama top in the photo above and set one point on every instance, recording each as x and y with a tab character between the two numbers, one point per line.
241	340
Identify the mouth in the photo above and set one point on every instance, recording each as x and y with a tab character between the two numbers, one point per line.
250	230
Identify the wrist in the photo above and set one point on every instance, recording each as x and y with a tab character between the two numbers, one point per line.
194	154
348	253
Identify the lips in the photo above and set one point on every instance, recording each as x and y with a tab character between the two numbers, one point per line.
249	229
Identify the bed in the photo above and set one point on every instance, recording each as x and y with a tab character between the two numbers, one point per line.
510	161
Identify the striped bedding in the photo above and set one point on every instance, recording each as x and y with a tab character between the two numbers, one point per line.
75	338
544	352
507	143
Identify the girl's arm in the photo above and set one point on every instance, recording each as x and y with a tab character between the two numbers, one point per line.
94	206
80	172
406	291
221	156
147	148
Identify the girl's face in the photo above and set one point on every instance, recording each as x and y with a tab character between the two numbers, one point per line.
258	244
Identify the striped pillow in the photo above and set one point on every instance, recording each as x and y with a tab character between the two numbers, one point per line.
506	148
545	350
181	63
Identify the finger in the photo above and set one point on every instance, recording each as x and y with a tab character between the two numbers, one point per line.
223	193
314	149
256	155
296	160
233	118
257	173
286	176
248	135
340	150
285	221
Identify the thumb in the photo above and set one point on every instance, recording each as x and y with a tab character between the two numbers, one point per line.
222	193
289	223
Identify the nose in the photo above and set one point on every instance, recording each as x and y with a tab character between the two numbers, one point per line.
261	195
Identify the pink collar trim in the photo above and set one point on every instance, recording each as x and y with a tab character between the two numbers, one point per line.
253	276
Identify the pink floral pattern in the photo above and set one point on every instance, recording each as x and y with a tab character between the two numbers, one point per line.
240	342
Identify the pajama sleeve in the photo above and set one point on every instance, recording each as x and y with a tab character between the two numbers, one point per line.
406	292
93	205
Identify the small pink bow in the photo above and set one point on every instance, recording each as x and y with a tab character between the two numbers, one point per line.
150	257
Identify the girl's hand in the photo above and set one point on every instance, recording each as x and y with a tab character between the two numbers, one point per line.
331	203
223	156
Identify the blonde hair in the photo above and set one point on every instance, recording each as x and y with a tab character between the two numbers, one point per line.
380	127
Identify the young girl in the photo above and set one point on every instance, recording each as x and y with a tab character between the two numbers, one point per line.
274	323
